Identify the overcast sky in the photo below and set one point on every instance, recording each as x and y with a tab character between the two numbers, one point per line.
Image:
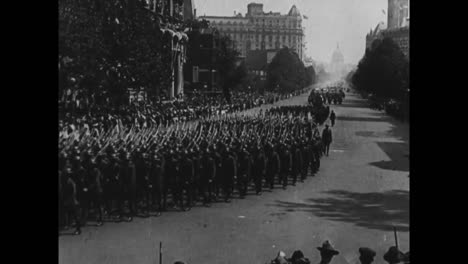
329	22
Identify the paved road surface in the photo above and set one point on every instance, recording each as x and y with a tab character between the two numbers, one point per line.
361	190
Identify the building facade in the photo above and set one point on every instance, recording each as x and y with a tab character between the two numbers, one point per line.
258	30
171	15
200	70
397	27
397	14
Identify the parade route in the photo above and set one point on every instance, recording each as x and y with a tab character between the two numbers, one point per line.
359	194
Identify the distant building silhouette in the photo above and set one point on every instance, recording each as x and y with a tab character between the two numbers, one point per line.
258	30
397	27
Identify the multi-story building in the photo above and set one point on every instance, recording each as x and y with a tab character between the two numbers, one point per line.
397	26
258	30
200	70
397	14
171	15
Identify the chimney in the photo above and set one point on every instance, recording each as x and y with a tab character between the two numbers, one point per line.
194	13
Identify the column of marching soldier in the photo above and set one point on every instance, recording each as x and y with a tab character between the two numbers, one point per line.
122	173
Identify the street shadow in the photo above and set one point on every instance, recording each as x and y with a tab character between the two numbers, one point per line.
349	105
364	119
397	152
374	210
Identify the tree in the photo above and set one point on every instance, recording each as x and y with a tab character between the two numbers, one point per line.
311	76
287	72
110	46
226	64
383	71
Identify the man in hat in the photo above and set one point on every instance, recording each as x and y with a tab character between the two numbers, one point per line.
327	139
298	258
366	255
394	256
327	252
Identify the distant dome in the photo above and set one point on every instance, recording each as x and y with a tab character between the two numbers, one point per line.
294	11
337	57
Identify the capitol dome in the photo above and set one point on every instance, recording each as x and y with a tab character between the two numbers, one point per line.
337	56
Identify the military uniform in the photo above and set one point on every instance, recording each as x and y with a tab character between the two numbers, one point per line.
157	181
273	167
259	170
228	174
70	201
244	172
187	172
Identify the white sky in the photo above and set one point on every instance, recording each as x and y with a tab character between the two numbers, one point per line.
329	22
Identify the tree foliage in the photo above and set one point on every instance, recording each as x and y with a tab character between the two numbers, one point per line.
226	65
383	71
110	46
287	72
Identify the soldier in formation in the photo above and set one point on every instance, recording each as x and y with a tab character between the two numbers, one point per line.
122	173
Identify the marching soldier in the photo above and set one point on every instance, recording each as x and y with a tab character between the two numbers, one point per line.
187	172
171	171
219	171
259	170
305	159
296	162
286	161
207	175
70	201
244	172
142	170
128	186
228	174
195	155
273	167
95	188
157	181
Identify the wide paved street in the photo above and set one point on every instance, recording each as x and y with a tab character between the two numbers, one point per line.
361	191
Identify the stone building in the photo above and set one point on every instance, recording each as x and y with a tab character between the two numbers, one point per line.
397	13
171	15
258	30
397	27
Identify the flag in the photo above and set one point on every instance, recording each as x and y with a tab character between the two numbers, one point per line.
305	17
